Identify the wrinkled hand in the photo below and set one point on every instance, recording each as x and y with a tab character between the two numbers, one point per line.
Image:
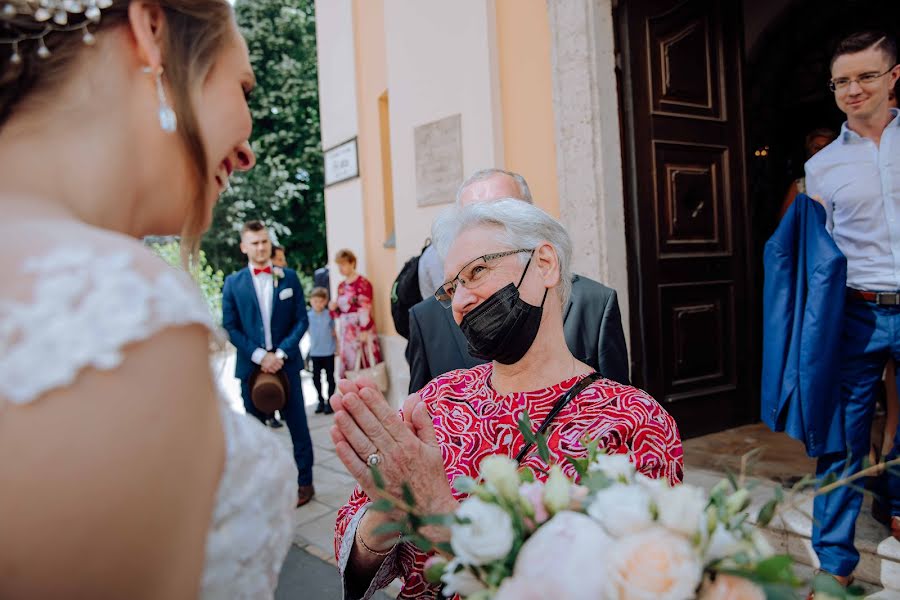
271	363
365	424
332	306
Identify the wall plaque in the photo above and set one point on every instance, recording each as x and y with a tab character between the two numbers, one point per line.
341	163
439	167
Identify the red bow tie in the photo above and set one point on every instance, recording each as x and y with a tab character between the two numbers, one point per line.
263	270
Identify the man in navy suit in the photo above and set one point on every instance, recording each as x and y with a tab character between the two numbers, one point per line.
264	312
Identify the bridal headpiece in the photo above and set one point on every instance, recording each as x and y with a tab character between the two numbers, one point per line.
24	20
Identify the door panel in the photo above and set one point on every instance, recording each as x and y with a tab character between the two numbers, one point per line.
681	90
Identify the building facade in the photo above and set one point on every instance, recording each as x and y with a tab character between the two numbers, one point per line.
662	133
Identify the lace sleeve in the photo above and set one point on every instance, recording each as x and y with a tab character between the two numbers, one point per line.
86	307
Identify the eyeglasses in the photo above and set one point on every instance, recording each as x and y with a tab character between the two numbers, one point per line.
842	83
473	274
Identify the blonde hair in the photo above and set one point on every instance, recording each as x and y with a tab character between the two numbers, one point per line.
195	32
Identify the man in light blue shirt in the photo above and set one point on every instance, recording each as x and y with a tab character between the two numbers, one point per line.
857	179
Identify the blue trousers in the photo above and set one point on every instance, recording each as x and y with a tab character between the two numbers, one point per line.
294	414
871	335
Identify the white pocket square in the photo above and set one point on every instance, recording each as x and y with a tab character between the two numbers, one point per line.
286	293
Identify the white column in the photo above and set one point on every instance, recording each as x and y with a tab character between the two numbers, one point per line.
588	144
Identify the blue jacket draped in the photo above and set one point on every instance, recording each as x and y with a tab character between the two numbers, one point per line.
803	317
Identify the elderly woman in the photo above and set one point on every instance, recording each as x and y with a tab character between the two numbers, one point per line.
507	265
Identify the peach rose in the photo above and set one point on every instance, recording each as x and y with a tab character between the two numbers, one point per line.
730	587
655	564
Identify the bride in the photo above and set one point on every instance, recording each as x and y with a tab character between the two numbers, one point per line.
122	472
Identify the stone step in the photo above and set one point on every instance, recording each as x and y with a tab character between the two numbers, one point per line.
790	532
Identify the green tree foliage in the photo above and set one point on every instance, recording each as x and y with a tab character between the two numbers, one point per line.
285	189
209	279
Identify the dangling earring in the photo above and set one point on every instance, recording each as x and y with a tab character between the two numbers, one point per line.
168	121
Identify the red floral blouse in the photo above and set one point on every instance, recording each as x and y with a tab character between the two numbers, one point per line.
472	421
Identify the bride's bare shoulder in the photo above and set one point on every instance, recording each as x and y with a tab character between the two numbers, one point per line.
108	405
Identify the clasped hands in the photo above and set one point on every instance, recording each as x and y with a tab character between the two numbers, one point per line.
365	425
271	363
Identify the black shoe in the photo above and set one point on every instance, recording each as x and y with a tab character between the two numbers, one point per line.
328	410
320	408
274	423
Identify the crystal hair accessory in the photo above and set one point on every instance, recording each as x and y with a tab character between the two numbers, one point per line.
33	20
168	120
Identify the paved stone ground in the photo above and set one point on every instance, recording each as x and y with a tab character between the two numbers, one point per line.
306	577
310	570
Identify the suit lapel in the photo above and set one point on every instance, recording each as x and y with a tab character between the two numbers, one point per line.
569	303
250	290
459	340
275	302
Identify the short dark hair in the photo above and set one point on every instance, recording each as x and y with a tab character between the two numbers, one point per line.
276	248
252	226
319	292
863	40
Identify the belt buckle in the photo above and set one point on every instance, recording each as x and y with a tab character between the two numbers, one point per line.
887	298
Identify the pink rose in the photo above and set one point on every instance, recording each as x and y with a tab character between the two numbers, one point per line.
730	587
533	493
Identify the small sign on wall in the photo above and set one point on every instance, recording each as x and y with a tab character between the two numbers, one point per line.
439	167
341	163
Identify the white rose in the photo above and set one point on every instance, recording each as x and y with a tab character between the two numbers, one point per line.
557	554
459	579
655	564
615	466
557	490
622	509
487	537
501	472
683	509
723	543
526	588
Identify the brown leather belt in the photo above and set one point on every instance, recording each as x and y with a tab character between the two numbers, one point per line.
882	298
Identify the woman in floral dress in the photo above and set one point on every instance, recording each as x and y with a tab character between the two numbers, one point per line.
507	265
352	309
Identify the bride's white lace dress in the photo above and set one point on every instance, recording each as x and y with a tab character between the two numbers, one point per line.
88	301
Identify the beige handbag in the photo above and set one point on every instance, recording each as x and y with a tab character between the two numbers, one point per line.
377	373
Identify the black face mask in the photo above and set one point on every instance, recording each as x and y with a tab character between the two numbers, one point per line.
504	326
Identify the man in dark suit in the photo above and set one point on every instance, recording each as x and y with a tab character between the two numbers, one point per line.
592	321
264	312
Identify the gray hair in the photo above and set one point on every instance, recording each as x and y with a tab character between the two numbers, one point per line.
523	226
524	190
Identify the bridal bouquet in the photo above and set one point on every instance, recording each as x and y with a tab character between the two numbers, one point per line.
613	535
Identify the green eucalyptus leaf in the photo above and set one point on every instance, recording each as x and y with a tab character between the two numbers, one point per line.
377	477
767	512
387	528
383	505
408	496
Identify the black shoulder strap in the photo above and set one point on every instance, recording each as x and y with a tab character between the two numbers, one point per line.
557	408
